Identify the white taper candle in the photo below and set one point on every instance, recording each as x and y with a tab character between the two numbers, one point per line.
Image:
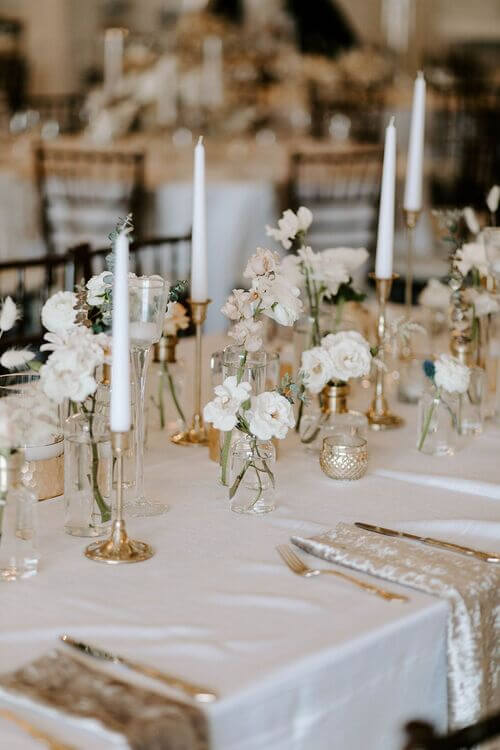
199	284
120	366
385	235
415	162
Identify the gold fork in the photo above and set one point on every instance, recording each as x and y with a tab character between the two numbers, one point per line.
38	734
300	568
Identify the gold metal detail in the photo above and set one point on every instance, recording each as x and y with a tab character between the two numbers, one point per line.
334	399
344	457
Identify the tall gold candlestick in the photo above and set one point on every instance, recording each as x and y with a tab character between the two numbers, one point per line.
379	415
196	434
119	548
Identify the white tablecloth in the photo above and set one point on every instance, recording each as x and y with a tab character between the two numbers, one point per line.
299	663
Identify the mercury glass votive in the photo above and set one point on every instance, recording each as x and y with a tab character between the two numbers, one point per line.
344	456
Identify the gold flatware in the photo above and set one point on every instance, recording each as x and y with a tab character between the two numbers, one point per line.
450	546
200	694
33	731
300	568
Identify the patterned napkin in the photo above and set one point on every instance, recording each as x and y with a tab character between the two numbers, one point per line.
472	588
148	720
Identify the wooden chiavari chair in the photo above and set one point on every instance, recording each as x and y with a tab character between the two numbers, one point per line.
422	736
65	109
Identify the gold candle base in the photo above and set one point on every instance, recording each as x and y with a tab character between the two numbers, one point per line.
119	548
196	434
379	415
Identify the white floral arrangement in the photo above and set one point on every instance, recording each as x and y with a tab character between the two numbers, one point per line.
435	295
339	358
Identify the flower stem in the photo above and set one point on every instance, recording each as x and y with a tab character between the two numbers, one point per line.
104	508
224	457
171	387
427	423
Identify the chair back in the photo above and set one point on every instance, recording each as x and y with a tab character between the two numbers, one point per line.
83	192
63	109
422	736
341	187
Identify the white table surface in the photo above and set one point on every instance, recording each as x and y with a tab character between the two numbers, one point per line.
299	663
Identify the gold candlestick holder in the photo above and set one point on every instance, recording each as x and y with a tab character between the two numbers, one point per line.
119	548
379	415
196	434
411	218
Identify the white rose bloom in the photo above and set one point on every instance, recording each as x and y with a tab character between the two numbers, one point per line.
451	374
232	390
316	366
349	353
248	333
493	199
176	319
280	300
435	295
471	220
222	411
290	269
96	289
262	262
472	255
240	304
484	302
270	415
348	257
59	314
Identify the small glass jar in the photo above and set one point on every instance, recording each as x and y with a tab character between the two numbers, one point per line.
471	404
344	456
333	417
102	409
168	386
437	424
252	483
88	466
18	522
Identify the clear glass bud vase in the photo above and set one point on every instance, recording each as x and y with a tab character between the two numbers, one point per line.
18	527
88	466
471	404
252	483
333	417
437	424
169	386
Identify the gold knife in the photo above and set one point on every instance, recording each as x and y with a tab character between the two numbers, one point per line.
200	694
469	551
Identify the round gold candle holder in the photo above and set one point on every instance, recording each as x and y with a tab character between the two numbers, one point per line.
344	456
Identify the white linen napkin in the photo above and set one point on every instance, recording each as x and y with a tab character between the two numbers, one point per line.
471	586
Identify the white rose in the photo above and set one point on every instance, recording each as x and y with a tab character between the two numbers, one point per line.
493	198
348	257
248	333
222	412
451	374
349	354
97	288
435	295
58	313
234	391
240	304
316	366
270	415
471	220
262	262
472	255
484	302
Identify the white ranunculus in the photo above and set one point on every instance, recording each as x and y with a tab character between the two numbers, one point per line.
230	389
8	314
248	333
348	257
97	288
58	313
471	220
279	299
222	412
333	274
493	198
484	302
270	415
349	353
290	225
472	255
240	304
262	262
316	366
176	319
435	295
451	374
290	268
16	359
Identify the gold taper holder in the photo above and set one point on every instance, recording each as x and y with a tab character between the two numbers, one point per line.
119	548
379	415
196	434
411	218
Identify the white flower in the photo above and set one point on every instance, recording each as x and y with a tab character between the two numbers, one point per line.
332	274
240	304
484	302
435	295
451	374
279	299
471	220
270	415
290	268
290	225
349	354
58	313
311	260
97	288
316	366
16	359
248	333
27	417
8	315
348	257
222	412
176	319
472	255
493	198
262	262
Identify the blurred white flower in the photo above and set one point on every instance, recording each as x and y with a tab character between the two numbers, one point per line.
316	366
471	220
493	199
27	417
97	288
290	268
451	374
484	302
270	415
176	319
435	295
348	257
8	314
59	314
332	274
472	255
239	304
248	333
349	353
262	262
290	225
16	359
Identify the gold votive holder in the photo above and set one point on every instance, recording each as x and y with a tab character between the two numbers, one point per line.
344	456
43	469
